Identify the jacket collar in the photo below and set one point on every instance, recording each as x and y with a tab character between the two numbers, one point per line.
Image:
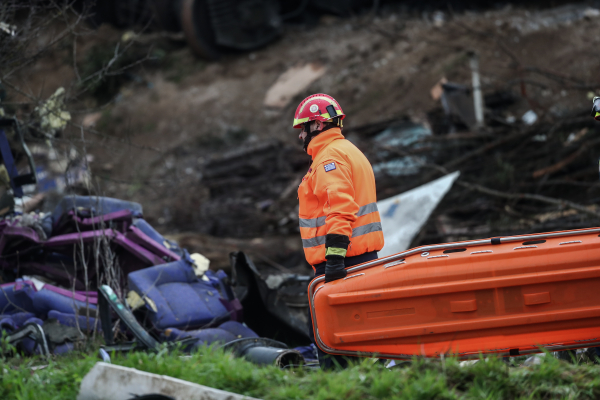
321	141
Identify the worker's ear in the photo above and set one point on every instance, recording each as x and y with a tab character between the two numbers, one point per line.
319	125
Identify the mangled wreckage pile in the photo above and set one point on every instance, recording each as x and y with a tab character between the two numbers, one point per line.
57	264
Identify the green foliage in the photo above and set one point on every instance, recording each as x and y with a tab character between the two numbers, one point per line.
489	378
59	380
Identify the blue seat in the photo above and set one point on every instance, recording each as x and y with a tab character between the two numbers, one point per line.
238	330
19	318
96	204
22	299
308	352
7	324
182	300
82	321
225	333
147	229
87	206
205	337
53	298
14	299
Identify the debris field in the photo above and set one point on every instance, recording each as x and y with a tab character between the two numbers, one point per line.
468	120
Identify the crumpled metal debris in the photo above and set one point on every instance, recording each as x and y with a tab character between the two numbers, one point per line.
400	136
403	215
457	101
274	303
402	166
32	221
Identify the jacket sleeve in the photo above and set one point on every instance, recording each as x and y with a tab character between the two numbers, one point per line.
334	185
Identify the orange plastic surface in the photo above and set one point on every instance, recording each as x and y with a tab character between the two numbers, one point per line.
466	298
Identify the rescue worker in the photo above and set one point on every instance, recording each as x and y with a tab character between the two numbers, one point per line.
339	221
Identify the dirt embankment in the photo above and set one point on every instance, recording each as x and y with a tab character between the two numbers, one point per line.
195	144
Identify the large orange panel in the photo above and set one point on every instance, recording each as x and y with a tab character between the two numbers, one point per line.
506	296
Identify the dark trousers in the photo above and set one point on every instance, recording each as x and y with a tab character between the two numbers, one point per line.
329	361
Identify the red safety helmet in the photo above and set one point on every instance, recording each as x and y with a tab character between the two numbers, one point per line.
317	107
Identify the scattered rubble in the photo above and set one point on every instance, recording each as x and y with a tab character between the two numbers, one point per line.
212	109
530	166
282	294
158	291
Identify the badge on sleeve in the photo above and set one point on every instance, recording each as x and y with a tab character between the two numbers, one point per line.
329	167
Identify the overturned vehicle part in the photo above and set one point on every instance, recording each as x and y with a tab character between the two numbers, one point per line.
232	335
151	294
209	26
235	24
283	297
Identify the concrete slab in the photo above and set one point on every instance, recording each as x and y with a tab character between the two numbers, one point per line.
113	382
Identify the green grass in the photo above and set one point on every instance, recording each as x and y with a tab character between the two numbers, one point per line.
423	379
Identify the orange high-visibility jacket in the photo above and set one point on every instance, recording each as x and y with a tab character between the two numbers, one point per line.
337	195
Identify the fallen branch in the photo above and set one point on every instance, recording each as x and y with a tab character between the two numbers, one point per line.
484	149
537	197
561	78
559	165
562	182
514	136
517	196
563	163
456	136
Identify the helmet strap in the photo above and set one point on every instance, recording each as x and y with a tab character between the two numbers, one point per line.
309	135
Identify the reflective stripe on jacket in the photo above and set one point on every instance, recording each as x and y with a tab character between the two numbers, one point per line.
337	195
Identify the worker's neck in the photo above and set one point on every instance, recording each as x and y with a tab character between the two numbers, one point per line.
322	140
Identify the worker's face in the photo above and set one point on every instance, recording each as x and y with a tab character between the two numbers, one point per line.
314	126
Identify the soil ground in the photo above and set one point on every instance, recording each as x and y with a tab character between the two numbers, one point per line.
177	119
